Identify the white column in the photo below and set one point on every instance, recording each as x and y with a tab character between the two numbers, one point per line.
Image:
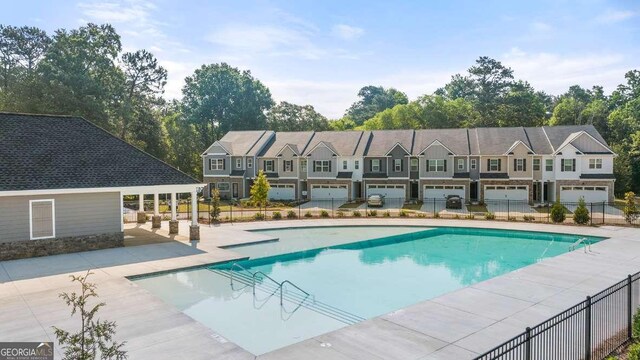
141	202
173	206
194	208
121	212
156	204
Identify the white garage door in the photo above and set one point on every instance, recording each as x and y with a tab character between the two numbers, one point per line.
442	191
506	193
589	193
320	192
282	192
387	190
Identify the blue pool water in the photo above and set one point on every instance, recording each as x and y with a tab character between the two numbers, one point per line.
345	282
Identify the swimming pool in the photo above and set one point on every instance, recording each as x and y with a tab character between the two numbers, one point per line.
295	289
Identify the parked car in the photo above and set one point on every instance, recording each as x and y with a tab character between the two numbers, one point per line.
454	202
375	200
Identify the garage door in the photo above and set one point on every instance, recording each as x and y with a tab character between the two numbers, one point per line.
320	192
442	191
590	193
387	190
506	193
282	192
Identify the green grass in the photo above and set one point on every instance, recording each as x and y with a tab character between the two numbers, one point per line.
415	207
546	210
351	205
477	208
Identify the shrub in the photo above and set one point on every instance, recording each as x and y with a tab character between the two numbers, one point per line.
356	213
457	216
489	216
403	213
631	212
635	327
215	205
528	218
258	216
421	215
387	213
308	214
340	213
373	213
324	213
512	218
436	215
558	214
634	352
276	215
581	215
291	214
470	217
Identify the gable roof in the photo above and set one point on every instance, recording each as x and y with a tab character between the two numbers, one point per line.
575	136
497	141
456	140
381	142
41	152
243	143
343	143
297	141
558	134
515	145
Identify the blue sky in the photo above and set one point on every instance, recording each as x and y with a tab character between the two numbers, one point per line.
322	52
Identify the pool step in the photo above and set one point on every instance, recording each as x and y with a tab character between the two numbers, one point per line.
294	297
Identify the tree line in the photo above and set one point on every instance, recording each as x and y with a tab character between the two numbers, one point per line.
84	72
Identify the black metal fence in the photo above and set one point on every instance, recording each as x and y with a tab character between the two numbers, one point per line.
590	330
512	210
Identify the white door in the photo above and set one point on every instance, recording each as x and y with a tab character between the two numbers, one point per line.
320	192
589	193
442	191
282	192
389	191
506	193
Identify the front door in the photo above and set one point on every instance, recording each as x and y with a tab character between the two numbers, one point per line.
536	191
545	192
235	190
414	190
473	191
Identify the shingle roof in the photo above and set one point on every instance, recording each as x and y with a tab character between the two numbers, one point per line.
381	142
60	152
241	143
454	139
496	141
558	134
345	143
297	140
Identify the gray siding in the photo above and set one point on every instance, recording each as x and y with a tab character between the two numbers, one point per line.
383	165
251	171
322	153
455	164
474	173
586	144
205	163
398	153
433	153
75	215
216	149
288	155
234	160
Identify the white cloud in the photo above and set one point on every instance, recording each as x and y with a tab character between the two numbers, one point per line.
614	16
541	27
117	12
347	32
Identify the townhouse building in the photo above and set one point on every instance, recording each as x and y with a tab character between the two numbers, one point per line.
533	164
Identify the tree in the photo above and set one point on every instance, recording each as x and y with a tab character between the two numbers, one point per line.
624	121
290	117
558	212
404	116
581	214
95	337
567	112
521	106
596	113
260	189
342	124
630	209
181	150
374	99
218	98
215	204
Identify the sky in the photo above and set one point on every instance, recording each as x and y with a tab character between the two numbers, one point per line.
322	52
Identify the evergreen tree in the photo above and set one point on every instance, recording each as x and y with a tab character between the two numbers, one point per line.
260	189
581	215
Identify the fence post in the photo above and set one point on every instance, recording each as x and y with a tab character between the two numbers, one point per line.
299	207
603	212
528	344
508	210
189	208
209	212
231	212
332	215
587	330
630	307
434	207
591	217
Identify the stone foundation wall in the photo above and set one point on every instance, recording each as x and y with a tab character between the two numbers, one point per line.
44	247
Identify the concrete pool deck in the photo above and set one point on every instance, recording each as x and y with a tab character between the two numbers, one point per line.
457	325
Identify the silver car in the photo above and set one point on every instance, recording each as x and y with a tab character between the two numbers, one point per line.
375	200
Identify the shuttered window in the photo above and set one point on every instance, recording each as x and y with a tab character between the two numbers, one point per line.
42	219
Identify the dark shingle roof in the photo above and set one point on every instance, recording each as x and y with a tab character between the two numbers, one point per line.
494	175
40	152
597	176
297	141
344	175
558	134
383	141
455	140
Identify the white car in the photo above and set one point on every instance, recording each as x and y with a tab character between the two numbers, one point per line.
375	200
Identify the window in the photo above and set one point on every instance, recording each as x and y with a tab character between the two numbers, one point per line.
460	164
303	165
375	165
473	164
397	165
569	165
536	164
223	186
238	163
519	165
42	219
548	165
436	165
356	164
414	164
494	164
345	164
216	164
595	163
268	165
287	165
249	162
322	166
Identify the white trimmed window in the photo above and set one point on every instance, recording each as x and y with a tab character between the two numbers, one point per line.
519	165
397	165
548	165
249	162
288	165
568	165
356	164
216	164
414	164
303	165
595	163
345	164
268	166
223	186
42	219
473	164
238	163
460	164
375	165
436	165
494	165
536	164
322	166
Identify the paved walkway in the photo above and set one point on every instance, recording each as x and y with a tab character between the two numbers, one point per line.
457	325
